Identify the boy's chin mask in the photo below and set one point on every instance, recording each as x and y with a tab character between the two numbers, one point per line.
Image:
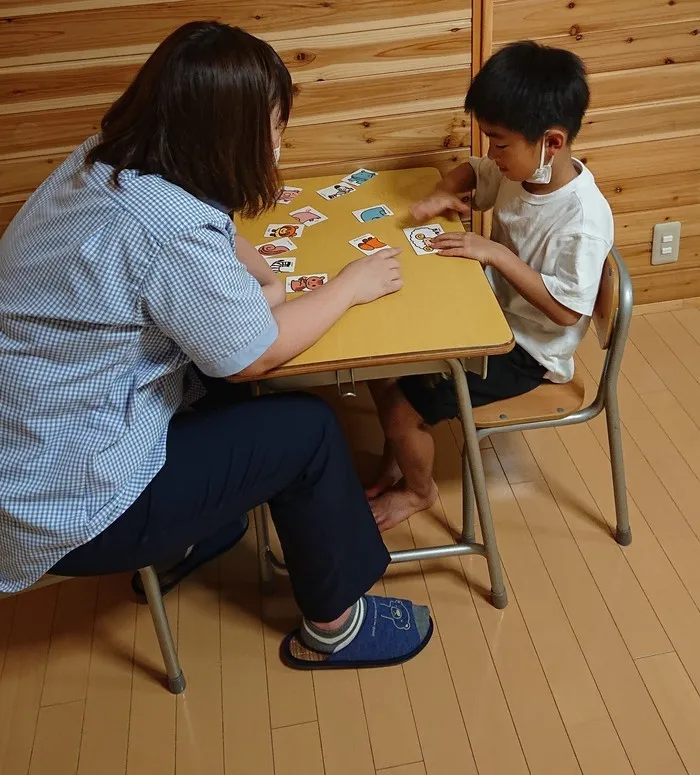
543	174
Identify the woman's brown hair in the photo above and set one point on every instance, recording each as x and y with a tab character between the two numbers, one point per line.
198	114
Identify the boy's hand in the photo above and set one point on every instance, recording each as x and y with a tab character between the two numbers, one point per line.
467	245
437	203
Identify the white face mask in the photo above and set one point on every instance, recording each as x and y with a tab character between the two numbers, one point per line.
277	152
543	174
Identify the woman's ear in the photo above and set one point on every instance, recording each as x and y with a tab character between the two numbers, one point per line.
556	140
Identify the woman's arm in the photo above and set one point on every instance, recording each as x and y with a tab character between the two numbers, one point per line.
304	321
271	284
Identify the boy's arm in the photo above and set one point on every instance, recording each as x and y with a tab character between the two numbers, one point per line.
460	180
528	282
271	285
448	195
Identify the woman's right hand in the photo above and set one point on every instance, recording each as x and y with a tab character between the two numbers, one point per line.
372	277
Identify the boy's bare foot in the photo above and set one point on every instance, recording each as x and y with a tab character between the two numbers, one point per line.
399	503
389	475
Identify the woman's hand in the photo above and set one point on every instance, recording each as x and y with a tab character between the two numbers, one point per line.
372	277
438	203
468	245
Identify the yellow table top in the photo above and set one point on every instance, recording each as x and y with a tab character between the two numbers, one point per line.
446	308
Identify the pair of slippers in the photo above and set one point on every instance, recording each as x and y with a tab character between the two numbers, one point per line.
393	631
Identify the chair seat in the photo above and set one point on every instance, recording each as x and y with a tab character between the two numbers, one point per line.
546	402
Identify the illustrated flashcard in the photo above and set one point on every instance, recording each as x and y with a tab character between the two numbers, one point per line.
287	195
420	236
368	244
372	213
276	230
282	265
307	282
359	177
308	216
276	248
335	191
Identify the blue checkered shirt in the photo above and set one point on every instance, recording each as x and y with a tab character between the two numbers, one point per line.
106	297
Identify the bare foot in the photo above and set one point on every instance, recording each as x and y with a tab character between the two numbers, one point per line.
399	503
389	475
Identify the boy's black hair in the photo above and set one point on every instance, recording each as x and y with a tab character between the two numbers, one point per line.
529	88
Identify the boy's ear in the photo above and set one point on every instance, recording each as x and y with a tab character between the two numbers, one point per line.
556	140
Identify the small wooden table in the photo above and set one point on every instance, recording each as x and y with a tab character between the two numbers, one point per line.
445	318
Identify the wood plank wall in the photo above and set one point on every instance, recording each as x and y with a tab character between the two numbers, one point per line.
377	83
641	137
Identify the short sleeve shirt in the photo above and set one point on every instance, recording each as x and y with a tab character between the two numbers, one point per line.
566	236
107	295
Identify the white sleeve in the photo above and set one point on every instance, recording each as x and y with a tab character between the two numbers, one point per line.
488	182
578	269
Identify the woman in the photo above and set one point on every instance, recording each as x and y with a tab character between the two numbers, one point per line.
123	270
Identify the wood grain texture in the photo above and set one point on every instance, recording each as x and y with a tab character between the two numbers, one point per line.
630	46
518	19
129	30
324	58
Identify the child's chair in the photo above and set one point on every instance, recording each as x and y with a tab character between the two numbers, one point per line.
553	405
547	406
176	679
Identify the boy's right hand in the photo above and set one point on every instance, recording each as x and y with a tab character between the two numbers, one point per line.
438	203
372	277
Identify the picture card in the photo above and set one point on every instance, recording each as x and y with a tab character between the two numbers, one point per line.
276	230
308	216
282	265
335	191
372	213
307	282
276	247
419	236
287	195
368	244
359	177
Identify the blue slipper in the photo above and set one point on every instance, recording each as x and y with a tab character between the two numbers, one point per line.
202	552
393	632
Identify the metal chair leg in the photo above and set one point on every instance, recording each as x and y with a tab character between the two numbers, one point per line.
499	596
176	679
468	505
262	532
623	533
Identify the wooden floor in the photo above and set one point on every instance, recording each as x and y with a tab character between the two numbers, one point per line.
593	668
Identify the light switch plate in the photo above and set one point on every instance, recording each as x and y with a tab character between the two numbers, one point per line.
660	253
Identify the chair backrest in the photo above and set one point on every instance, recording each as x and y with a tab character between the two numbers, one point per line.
607	303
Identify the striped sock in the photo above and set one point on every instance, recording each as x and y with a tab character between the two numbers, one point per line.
331	641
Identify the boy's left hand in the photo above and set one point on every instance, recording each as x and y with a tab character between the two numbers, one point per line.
467	245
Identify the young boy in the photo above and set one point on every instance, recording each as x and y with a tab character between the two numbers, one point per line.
552	230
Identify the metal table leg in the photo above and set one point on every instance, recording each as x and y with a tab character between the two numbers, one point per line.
477	481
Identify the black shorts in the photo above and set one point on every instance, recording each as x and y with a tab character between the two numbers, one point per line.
434	397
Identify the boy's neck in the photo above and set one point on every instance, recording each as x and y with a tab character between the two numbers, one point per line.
563	171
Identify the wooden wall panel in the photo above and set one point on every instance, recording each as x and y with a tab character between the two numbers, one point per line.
136	29
627	47
641	136
379	84
519	19
327	57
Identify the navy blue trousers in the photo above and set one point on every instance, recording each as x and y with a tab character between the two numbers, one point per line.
222	461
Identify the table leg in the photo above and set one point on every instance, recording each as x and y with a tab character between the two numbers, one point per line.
474	479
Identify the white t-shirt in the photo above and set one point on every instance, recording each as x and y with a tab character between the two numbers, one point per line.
566	237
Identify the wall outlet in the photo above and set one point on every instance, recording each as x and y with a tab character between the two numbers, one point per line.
666	243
